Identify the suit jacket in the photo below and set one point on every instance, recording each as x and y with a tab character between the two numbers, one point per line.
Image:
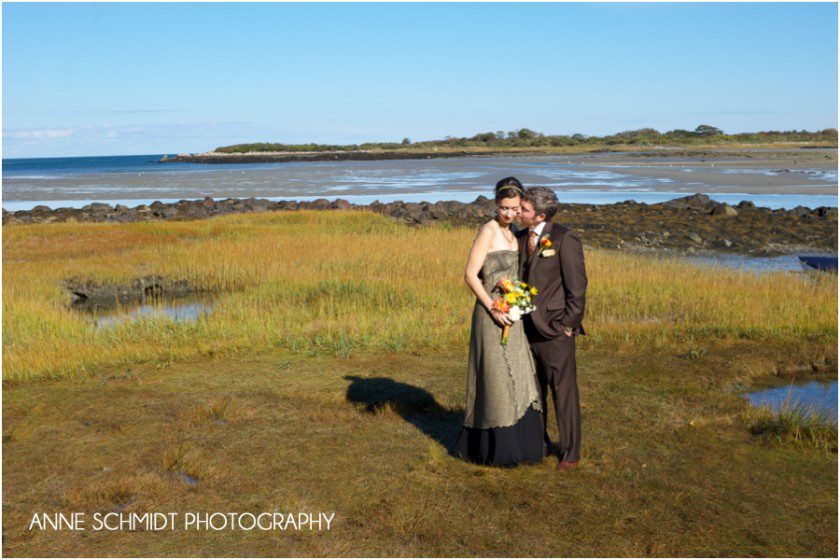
560	280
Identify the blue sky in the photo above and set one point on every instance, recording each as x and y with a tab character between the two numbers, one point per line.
104	79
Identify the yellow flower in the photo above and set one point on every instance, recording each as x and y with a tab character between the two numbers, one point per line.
511	298
533	291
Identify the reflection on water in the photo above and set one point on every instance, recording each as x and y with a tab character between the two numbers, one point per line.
183	308
821	397
747	262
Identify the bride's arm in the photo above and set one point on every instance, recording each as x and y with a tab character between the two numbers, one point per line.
478	253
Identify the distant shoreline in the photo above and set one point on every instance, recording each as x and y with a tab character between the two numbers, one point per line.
741	151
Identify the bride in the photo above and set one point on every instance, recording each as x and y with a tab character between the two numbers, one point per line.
503	423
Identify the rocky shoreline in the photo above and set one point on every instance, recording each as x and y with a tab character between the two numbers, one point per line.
690	224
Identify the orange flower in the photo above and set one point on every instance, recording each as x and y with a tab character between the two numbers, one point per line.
545	242
501	304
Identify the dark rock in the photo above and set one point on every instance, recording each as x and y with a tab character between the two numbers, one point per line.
89	290
679	224
692	201
168	212
724	210
340	204
825	212
97	206
452	205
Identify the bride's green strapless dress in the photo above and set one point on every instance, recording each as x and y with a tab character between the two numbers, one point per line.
503	422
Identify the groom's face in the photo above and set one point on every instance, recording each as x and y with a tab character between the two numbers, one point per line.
527	215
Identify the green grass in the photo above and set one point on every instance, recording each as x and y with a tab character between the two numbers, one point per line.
668	467
795	423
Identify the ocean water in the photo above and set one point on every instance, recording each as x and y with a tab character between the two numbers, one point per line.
142	179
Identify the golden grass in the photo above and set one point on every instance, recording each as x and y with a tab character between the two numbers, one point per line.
350	282
794	422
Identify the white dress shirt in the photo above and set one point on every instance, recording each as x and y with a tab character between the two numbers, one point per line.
538	228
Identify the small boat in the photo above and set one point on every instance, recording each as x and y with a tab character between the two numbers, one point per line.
827	263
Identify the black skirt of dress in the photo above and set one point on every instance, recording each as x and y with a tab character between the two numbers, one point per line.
504	447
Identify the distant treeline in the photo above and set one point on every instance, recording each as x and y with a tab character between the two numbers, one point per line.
526	138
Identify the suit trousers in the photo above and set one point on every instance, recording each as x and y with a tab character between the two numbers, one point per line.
557	373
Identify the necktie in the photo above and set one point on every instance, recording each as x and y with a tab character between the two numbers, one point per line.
532	242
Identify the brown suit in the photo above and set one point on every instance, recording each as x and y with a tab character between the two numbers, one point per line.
561	281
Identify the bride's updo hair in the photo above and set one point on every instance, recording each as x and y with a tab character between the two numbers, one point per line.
509	187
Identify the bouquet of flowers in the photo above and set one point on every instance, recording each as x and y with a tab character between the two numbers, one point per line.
515	301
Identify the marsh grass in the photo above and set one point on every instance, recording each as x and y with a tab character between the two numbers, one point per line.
795	422
330	377
354	282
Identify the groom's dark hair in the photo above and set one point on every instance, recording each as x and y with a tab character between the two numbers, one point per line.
544	201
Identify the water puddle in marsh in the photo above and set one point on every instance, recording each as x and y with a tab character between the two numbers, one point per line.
818	397
189	480
747	262
106	314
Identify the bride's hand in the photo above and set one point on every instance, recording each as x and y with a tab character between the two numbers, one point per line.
500	317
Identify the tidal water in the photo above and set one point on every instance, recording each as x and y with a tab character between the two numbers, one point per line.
142	179
178	309
819	398
747	262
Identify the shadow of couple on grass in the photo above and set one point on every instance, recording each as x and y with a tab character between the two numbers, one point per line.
415	405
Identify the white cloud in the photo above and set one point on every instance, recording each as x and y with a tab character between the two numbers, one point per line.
40	133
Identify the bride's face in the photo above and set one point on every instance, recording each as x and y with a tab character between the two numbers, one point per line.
508	210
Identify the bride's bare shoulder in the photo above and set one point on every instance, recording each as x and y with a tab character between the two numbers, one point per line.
486	231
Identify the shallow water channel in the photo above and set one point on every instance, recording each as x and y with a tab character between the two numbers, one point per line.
108	313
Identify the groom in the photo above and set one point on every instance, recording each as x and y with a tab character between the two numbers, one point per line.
551	259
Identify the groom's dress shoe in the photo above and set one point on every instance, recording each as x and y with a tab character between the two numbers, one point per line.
565	465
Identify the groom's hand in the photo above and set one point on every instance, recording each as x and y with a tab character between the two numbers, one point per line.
567	331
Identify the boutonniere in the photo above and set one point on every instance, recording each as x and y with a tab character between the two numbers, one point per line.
545	247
